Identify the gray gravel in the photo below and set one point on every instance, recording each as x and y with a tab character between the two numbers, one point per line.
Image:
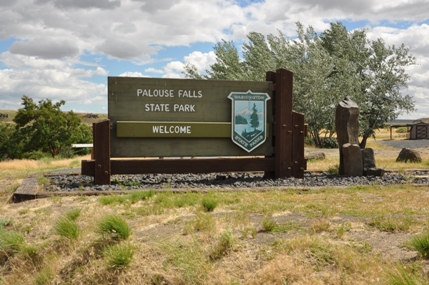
72	182
406	143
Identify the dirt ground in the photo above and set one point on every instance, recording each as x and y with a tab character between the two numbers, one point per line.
149	230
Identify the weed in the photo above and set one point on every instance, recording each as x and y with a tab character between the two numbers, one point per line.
24	211
268	224
136	196
72	214
75	164
4	223
11	242
320	225
190	258
389	223
43	181
119	256
225	242
187	199
209	204
288	226
201	223
334	170
149	210
44	276
67	228
113	199
114	227
403	275
342	229
420	244
248	231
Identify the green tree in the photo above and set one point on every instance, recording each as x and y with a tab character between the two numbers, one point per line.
11	145
47	128
380	73
327	68
254	119
311	65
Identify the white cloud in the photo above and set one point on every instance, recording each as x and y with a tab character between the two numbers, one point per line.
52	39
53	79
202	61
154	70
133	74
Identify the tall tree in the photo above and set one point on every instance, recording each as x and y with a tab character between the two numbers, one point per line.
327	68
380	70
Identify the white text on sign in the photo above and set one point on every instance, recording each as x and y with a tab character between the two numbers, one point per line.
166	107
171	129
164	93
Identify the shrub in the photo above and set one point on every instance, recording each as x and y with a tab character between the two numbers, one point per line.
334	170
114	227
67	152
401	130
329	143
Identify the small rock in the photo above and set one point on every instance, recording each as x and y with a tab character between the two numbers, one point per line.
409	155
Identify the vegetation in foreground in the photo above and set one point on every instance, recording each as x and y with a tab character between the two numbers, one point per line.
354	235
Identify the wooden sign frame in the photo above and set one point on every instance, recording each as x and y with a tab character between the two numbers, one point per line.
287	160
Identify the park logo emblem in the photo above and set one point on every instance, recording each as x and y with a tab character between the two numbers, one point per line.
249	119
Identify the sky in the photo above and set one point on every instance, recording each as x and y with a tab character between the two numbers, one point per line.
66	49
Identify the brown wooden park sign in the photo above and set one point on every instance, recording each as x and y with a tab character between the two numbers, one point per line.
198	126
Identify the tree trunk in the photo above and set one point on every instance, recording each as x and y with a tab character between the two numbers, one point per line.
362	143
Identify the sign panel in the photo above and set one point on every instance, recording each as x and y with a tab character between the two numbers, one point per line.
249	116
153	117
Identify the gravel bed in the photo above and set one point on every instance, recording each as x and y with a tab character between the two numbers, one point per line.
70	182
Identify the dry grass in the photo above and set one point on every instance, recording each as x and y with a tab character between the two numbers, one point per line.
385	156
185	245
352	235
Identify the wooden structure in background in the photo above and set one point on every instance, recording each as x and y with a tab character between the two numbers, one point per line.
287	159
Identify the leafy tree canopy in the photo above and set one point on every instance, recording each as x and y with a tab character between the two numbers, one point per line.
44	127
327	67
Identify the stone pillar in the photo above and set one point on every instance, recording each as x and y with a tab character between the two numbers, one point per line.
347	127
352	160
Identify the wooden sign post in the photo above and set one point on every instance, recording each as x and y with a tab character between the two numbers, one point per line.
174	118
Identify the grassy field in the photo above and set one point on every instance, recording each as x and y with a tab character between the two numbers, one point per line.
87	118
353	235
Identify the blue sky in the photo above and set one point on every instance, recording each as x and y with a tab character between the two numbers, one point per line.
65	49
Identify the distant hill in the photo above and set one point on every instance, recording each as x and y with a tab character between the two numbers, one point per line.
87	118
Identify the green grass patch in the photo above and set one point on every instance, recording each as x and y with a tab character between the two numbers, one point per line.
73	214
113	227
200	223
392	223
209	204
405	275
67	228
119	256
420	244
223	245
188	258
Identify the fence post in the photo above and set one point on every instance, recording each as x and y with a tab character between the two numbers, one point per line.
271	76
101	141
283	124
